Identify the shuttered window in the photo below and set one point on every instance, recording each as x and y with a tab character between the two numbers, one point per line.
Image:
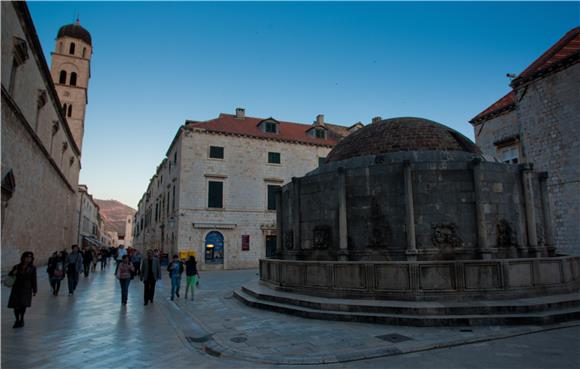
272	189
216	152
274	157
215	194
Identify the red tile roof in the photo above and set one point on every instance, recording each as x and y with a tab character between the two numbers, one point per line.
248	126
502	105
567	49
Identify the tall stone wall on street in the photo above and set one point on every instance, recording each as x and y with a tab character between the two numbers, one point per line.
37	148
549	113
39	216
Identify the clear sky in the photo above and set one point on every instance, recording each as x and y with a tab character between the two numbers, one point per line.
157	64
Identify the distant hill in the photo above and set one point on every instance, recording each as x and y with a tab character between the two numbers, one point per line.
115	213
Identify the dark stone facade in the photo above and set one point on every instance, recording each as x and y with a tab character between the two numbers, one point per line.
444	204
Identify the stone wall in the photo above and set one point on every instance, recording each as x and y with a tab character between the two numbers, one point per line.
547	121
549	112
37	147
446	218
427	280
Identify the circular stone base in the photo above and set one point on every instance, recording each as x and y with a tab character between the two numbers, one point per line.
458	280
535	310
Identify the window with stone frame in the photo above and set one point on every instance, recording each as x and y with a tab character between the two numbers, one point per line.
320	133
274	158
216	152
215	194
509	154
272	190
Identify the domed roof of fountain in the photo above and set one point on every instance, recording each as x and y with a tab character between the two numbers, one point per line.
401	134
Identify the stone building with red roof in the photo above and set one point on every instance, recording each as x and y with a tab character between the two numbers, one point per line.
214	192
538	122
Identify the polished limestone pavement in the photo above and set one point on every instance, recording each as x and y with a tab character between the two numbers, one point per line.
92	330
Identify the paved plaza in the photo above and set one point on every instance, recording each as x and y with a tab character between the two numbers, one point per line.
93	330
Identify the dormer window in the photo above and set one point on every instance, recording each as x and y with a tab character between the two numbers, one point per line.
320	133
269	125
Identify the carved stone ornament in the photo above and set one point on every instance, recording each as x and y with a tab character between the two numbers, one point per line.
445	235
505	234
289	240
321	237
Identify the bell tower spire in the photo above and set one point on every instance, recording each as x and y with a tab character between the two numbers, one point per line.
70	70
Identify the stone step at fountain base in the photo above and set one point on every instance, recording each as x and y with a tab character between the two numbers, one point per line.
538	310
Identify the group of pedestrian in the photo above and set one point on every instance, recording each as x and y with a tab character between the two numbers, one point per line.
129	264
149	271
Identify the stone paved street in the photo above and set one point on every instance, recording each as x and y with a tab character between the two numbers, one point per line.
93	330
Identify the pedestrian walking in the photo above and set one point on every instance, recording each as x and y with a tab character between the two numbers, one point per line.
24	287
94	259
175	269
120	252
103	257
56	270
150	274
73	269
87	259
124	272
136	260
191	276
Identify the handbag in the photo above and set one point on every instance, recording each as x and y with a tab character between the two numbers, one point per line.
9	280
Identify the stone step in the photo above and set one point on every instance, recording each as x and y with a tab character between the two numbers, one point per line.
514	306
536	318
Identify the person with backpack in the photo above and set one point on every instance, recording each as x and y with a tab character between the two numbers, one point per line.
73	269
124	275
191	276
56	271
175	269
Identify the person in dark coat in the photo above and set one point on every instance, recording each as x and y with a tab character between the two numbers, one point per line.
74	265
24	287
87	260
150	274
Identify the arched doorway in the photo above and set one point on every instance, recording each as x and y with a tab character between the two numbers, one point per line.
214	248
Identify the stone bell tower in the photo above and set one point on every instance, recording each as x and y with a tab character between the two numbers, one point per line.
70	70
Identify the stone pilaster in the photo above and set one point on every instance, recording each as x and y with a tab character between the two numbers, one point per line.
279	223
296	214
482	242
527	179
547	215
411	251
342	217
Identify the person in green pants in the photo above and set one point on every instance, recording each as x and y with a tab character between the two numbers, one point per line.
191	276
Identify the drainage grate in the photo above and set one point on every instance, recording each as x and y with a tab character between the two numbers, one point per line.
394	338
239	339
466	330
198	339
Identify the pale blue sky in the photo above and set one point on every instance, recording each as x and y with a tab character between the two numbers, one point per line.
157	64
